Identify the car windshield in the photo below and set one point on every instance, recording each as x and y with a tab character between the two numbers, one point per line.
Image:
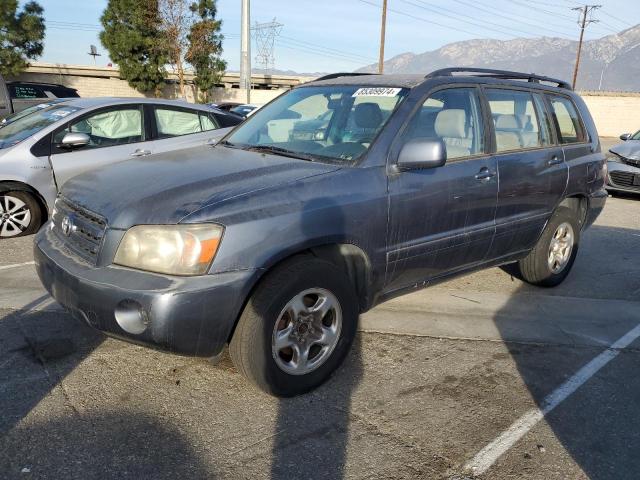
22	128
336	124
28	111
636	136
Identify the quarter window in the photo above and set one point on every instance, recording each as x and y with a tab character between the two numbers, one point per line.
567	120
107	128
515	120
452	115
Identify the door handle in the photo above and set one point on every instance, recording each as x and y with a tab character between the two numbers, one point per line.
485	174
141	153
555	160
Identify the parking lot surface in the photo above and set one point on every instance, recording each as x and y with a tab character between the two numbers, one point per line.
437	383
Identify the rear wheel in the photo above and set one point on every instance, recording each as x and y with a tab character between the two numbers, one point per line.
19	214
297	327
549	263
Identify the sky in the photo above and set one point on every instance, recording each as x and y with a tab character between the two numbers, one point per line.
343	35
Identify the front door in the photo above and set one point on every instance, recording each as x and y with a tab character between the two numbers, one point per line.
115	134
443	219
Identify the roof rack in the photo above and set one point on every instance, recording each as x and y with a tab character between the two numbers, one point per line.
502	74
331	76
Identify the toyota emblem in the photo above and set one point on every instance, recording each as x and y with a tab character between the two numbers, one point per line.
66	226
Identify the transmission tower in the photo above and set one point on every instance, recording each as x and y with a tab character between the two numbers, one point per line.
265	35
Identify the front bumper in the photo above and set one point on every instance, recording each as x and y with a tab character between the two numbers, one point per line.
184	315
623	177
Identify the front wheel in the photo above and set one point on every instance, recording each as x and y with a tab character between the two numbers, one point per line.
549	263
296	328
19	214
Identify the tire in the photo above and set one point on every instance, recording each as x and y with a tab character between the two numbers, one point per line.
538	268
20	214
270	312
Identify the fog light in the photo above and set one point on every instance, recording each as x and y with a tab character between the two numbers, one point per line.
130	316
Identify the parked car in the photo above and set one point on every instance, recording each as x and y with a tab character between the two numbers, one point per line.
226	106
18	96
225	118
245	110
39	152
624	165
276	247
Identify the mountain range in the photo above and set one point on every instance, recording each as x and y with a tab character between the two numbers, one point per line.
608	63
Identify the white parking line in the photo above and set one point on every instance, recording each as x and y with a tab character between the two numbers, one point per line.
494	450
16	265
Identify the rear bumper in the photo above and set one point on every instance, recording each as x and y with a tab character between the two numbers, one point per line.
597	201
622	177
184	315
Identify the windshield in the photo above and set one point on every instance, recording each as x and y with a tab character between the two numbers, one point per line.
24	127
636	136
329	123
28	111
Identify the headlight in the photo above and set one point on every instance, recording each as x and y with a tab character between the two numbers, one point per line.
170	249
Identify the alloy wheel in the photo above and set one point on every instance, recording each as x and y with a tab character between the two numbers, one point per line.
15	216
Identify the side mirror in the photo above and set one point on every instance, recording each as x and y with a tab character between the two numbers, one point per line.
625	136
422	153
75	140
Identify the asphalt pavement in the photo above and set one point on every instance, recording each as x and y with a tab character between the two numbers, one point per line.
480	376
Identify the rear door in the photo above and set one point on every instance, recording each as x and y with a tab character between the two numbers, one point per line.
176	128
533	174
443	219
574	139
116	133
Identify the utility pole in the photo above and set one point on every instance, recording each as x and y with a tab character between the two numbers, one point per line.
586	11
245	50
383	29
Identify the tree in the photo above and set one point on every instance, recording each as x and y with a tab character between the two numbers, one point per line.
21	35
132	29
175	17
192	35
205	47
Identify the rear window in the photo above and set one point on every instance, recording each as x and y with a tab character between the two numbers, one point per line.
60	91
18	90
568	122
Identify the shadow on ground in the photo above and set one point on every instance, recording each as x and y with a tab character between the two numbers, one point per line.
598	425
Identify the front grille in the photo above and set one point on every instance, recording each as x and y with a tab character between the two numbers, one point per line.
80	230
624	179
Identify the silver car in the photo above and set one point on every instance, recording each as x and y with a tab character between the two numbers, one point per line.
624	165
41	151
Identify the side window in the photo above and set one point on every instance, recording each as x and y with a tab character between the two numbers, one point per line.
207	123
174	123
515	120
21	91
570	128
452	115
107	128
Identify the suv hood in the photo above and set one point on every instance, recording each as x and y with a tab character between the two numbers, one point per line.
164	188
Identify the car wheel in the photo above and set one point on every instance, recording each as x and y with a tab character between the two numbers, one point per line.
19	214
296	328
549	263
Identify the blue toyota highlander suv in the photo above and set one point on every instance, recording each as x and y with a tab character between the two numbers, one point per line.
274	244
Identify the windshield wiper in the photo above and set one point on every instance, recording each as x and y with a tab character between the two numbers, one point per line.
281	151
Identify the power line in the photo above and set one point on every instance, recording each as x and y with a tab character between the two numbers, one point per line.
456	16
509	17
486	22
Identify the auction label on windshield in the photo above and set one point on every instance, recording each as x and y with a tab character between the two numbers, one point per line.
376	92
